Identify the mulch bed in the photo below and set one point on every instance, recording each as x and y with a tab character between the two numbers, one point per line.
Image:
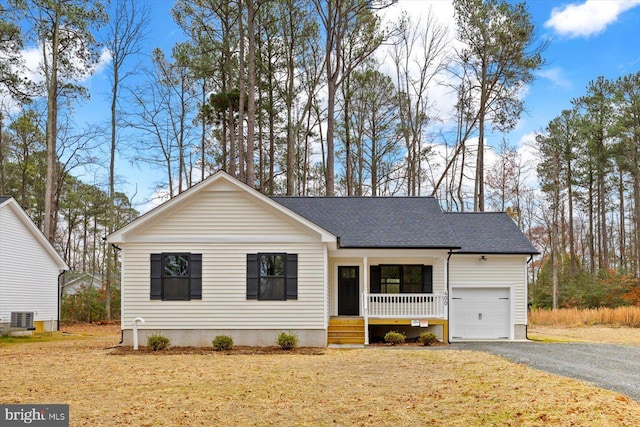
237	350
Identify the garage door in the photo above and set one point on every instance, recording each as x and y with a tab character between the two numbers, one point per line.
480	313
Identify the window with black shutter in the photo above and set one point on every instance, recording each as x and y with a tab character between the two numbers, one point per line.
176	276
272	276
405	279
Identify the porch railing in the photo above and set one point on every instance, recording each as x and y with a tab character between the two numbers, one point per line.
408	306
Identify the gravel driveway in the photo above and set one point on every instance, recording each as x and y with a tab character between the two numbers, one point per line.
609	366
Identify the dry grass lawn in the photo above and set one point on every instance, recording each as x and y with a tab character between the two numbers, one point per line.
601	334
341	387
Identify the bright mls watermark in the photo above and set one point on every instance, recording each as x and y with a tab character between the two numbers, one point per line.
34	415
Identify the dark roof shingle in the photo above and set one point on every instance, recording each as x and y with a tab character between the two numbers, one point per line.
377	222
488	232
409	222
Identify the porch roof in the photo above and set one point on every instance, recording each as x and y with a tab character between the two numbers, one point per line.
378	222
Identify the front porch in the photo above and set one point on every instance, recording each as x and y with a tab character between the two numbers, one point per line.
402	310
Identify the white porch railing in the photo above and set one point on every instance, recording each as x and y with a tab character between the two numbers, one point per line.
407	306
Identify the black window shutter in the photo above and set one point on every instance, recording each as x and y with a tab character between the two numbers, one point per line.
195	284
291	279
156	276
374	279
427	279
252	276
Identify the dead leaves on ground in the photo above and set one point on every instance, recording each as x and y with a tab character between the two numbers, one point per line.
341	387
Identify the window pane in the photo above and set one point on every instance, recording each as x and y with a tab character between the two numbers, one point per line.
348	272
271	288
175	288
412	279
176	265
390	279
390	288
272	265
411	289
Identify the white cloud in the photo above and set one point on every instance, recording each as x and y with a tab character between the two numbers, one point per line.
587	19
33	64
32	61
556	75
103	62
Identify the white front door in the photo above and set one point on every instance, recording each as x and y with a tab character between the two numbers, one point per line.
480	313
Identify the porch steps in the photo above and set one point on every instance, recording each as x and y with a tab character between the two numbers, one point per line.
346	330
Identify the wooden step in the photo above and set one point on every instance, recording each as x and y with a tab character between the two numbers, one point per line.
345	330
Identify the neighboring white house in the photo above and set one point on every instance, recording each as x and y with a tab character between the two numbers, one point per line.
29	272
221	258
74	283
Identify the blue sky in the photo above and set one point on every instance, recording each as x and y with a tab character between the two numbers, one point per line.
587	39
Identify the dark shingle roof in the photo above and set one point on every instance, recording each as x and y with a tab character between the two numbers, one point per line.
488	232
377	222
409	222
4	198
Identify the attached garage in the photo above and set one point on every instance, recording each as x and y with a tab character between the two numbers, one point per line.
480	313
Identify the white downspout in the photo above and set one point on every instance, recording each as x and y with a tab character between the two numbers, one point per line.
135	331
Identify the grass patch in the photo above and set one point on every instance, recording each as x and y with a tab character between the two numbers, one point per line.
35	338
550	339
603	316
340	387
594	334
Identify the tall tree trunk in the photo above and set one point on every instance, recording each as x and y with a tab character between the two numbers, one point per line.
479	184
290	95
572	249
330	152
591	237
251	88
242	89
623	231
50	206
346	89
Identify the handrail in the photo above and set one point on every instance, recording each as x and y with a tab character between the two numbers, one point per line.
405	305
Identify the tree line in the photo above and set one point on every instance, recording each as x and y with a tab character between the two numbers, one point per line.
590	177
293	97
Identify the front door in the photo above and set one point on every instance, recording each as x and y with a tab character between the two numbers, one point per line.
348	290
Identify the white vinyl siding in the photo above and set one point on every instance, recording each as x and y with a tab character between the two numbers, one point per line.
224	224
226	216
224	304
496	271
28	274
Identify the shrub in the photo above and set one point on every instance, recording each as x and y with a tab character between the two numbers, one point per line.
394	337
287	341
427	338
222	342
157	342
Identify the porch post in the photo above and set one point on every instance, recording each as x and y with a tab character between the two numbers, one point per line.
365	299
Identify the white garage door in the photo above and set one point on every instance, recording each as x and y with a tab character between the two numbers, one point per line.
480	313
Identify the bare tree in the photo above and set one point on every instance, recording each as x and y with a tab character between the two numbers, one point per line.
418	51
352	34
126	31
63	30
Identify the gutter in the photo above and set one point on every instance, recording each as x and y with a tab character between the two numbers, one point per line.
113	245
60	276
526	328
